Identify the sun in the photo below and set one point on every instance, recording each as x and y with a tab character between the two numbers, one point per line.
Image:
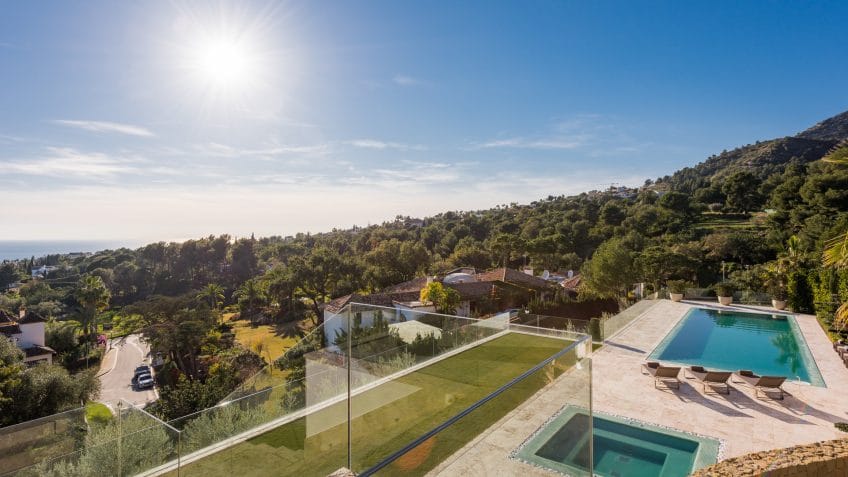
224	63
229	58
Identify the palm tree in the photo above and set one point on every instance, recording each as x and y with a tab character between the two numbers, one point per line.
836	250
214	295
249	295
93	297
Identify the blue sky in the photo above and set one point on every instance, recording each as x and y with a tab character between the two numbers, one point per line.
116	124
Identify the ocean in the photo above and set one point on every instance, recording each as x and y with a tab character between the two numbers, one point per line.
18	249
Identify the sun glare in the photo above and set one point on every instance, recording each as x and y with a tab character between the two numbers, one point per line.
230	59
224	64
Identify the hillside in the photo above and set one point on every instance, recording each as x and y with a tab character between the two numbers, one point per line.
763	158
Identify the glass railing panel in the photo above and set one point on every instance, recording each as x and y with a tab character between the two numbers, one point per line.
474	362
611	325
296	427
28	443
462	444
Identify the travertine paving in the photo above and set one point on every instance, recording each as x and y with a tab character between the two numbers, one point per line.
742	422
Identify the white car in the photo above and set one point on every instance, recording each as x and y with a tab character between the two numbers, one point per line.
145	381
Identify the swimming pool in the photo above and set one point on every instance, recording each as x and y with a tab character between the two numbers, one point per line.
730	340
621	447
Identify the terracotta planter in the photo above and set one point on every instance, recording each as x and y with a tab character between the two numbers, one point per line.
676	296
725	300
778	304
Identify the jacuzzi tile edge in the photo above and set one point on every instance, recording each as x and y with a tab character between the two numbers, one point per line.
701	438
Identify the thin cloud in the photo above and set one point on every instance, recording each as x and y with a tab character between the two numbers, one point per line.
383	145
69	162
106	126
405	80
544	143
223	150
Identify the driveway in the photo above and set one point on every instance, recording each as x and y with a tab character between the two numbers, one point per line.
117	371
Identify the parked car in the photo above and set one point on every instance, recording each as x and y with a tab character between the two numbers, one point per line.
144	381
142	369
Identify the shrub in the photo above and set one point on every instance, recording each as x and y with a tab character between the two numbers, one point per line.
824	285
724	289
799	293
677	286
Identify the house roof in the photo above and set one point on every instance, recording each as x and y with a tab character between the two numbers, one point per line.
514	277
36	350
416	284
31	317
10	328
379	299
571	283
472	290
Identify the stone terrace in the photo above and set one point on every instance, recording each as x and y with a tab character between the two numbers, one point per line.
740	421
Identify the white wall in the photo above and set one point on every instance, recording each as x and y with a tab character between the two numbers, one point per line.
31	334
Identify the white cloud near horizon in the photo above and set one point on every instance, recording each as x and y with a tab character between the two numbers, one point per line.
106	126
70	162
152	212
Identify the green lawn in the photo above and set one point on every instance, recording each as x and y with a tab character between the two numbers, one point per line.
394	414
97	412
275	340
715	222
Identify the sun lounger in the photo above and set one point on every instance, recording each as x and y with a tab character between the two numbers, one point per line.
715	379
662	374
762	384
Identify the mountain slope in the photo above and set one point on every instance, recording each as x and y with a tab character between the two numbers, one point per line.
831	129
764	158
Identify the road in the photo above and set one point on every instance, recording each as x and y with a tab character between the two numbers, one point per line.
117	371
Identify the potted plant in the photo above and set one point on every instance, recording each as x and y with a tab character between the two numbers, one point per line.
778	296
724	290
676	289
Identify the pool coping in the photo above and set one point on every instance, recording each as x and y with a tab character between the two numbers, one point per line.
809	362
710	449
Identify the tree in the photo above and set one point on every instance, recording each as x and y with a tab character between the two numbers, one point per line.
11	366
93	297
741	189
281	288
611	270
836	250
324	273
47	389
445	299
213	294
250	295
9	274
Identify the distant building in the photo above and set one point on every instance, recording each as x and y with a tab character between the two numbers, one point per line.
43	270
479	293
27	332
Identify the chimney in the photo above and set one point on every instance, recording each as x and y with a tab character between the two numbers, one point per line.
571	274
22	313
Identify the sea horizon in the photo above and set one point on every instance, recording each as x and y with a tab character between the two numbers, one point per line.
24	249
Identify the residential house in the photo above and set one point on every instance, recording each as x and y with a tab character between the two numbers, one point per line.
27	332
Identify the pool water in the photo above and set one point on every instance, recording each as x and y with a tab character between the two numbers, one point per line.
730	341
620	448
